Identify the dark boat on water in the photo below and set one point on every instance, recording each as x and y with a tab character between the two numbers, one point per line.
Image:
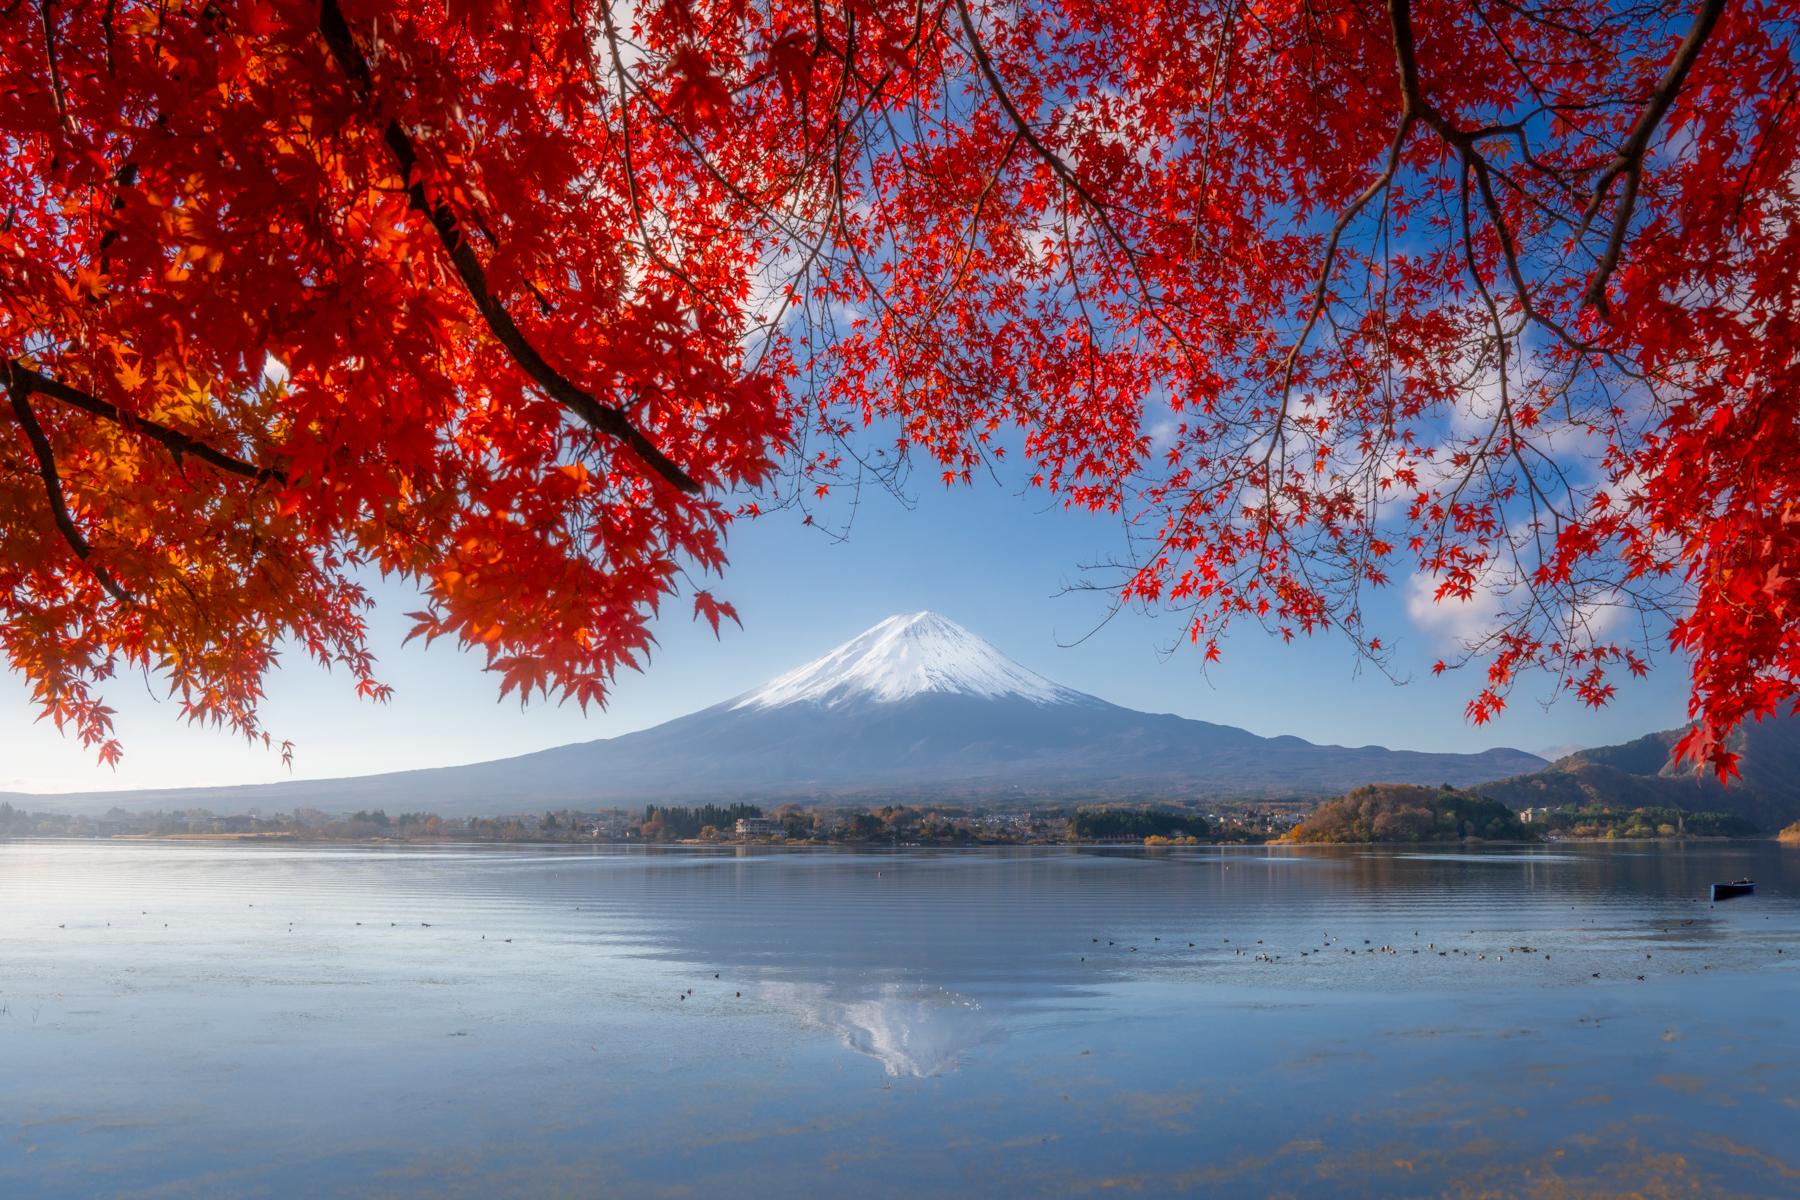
1741	887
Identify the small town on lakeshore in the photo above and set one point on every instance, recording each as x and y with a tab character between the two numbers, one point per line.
1443	815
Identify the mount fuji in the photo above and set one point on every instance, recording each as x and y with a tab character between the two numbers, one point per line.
917	707
905	657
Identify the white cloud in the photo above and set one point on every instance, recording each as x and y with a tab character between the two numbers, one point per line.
1452	620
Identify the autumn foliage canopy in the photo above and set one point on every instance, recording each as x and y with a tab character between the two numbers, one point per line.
528	302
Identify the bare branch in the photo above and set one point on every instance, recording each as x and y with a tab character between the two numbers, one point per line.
1322	287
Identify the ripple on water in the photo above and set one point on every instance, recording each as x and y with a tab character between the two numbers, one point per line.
225	1020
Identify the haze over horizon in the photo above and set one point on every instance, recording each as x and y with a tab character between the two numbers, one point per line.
983	557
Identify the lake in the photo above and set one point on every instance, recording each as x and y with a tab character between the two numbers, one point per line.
184	1020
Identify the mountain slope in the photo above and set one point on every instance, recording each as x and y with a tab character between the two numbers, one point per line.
1640	774
907	656
916	706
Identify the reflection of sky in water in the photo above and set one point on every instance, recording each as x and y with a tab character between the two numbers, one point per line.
193	1020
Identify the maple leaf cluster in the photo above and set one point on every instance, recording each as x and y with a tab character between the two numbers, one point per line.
528	302
293	295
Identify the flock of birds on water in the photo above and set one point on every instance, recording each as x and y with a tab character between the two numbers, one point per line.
1243	950
1369	948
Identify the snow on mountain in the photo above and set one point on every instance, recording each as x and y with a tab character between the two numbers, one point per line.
917	707
903	657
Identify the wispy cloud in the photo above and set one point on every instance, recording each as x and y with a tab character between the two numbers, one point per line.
1452	620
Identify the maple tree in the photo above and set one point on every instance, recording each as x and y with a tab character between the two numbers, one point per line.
527	303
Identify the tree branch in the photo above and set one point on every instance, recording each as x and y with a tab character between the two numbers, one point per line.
1629	162
19	391
56	83
604	418
1322	287
18	376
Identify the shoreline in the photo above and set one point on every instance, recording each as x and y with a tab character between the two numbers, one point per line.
1561	841
299	839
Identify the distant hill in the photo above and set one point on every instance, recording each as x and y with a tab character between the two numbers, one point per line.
1640	774
916	707
1405	813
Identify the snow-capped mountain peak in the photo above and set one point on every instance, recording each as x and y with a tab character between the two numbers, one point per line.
902	657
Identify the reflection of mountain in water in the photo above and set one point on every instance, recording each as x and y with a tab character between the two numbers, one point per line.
914	1032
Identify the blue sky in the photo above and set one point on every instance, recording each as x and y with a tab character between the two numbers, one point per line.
986	556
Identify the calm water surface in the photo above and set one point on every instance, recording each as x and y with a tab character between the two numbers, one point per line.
187	1020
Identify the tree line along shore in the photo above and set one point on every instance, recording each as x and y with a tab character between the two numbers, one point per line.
1387	813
